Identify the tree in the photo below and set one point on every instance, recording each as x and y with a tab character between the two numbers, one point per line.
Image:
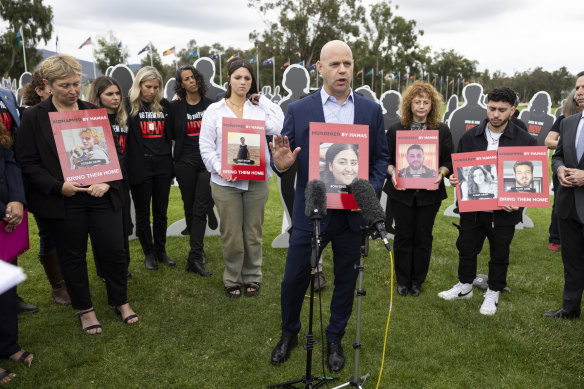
301	28
450	63
107	52
36	21
156	61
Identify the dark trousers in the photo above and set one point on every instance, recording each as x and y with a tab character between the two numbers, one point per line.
46	245
472	234
195	189
86	215
8	324
154	188
346	254
554	230
126	218
413	241
572	236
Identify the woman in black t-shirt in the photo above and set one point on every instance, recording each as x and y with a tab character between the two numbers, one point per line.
149	163
106	92
192	176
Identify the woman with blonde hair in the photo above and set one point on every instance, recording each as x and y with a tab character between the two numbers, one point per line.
149	163
70	210
415	210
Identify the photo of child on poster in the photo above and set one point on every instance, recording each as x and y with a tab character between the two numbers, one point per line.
85	147
339	166
243	148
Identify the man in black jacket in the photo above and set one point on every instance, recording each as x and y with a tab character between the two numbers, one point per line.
498	226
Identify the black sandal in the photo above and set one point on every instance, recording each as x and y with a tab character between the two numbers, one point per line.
5	373
255	289
230	291
86	329
23	358
127	318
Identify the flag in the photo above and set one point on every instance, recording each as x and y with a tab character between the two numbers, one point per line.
268	61
287	63
379	73
434	81
118	49
146	48
19	38
311	67
466	83
254	59
370	72
405	76
450	82
413	77
168	52
215	56
87	42
359	72
388	76
233	57
301	63
194	54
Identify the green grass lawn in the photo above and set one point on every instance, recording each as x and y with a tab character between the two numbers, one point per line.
190	335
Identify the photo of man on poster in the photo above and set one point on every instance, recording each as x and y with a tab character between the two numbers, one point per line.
523	171
416	168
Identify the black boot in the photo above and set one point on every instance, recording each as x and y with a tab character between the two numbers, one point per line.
195	266
23	307
150	262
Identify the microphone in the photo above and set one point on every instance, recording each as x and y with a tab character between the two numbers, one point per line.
370	208
315	195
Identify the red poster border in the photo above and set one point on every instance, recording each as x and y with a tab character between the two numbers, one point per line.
70	120
524	199
421	137
242	172
357	134
477	158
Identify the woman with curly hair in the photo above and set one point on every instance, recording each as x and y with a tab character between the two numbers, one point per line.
186	115
415	210
35	91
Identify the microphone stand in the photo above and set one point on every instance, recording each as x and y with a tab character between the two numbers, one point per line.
308	379
357	381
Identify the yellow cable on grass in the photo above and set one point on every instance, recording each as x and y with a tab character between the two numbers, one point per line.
388	317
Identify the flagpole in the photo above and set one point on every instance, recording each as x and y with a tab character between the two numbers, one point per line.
93	53
372	79
362	77
399	82
258	70
150	52
220	72
274	73
23	48
381	81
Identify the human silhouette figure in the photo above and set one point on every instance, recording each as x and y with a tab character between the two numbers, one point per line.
538	116
451	107
366	91
276	97
390	106
267	91
296	82
169	89
124	76
207	68
470	114
558	111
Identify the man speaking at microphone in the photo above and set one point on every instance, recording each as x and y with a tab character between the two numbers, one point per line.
335	102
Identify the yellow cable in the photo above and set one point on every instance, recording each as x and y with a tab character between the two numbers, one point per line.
388	317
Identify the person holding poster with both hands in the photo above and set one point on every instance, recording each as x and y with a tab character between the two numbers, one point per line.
70	210
415	210
497	226
240	203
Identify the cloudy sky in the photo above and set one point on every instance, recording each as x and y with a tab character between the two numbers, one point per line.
516	35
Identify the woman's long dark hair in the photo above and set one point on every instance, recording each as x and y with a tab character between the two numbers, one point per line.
180	91
235	64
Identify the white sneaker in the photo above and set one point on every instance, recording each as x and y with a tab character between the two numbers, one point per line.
489	306
458	291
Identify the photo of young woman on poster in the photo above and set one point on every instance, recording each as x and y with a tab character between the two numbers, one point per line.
341	166
482	182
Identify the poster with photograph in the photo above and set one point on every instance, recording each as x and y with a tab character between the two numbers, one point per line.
477	187
525	176
416	159
243	153
85	145
339	155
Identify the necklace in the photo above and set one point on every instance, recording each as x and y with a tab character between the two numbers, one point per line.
494	140
239	109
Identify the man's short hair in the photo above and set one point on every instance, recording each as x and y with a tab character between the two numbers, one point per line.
504	94
415	147
580	74
521	163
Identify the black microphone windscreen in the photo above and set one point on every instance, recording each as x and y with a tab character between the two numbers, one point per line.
315	195
368	202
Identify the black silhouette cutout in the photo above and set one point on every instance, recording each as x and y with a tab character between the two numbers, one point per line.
470	114
124	75
538	117
207	68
